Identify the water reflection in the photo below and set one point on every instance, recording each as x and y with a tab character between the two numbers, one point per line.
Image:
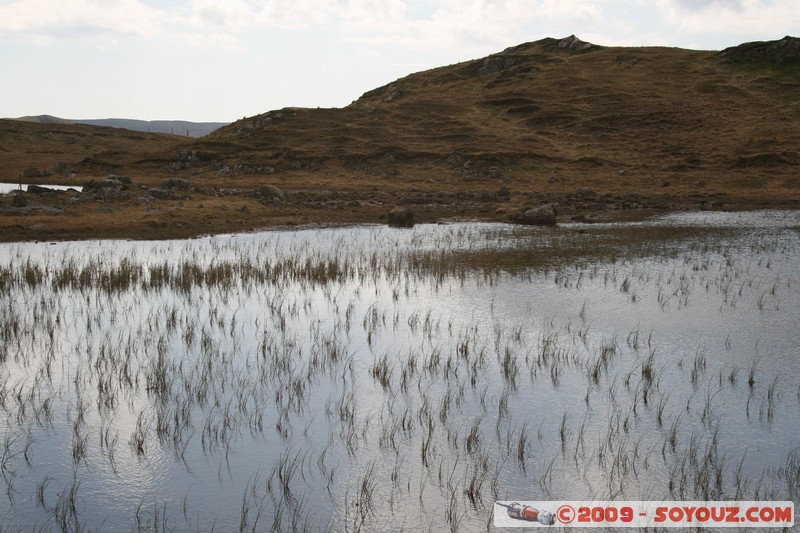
367	377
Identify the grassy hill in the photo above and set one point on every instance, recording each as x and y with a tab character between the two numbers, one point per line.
546	116
603	131
44	119
87	151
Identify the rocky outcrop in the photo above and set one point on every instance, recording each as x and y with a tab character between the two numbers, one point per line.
93	186
538	216
270	192
176	183
171	189
788	47
571	43
493	65
124	180
112	188
162	194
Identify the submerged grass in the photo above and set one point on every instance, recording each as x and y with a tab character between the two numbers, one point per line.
497	252
490	362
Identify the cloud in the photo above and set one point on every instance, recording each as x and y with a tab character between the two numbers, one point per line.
300	14
225	14
236	15
369	15
746	18
701	5
412	23
462	24
466	25
481	25
46	20
211	39
415	23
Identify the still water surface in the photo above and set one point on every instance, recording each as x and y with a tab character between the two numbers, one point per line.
380	379
6	188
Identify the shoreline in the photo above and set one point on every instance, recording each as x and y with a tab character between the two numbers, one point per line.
47	223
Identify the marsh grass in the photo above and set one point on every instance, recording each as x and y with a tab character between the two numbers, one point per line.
489	362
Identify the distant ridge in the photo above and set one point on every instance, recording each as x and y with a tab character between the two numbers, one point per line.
175	127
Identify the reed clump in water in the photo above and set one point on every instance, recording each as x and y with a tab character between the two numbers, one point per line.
242	364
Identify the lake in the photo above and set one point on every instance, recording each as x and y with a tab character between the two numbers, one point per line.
6	188
377	379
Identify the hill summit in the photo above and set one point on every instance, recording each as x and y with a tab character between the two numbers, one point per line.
547	119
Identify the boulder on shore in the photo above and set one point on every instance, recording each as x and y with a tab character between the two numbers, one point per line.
38	189
538	216
270	192
108	189
401	217
93	186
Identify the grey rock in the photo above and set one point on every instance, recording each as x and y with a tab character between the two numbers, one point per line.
93	186
38	189
124	180
176	183
108	189
493	65
112	194
573	43
161	194
487	70
538	216
271	192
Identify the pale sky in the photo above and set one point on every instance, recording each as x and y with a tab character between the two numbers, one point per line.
220	60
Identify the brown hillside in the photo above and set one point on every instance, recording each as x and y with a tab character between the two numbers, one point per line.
545	117
64	149
601	130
